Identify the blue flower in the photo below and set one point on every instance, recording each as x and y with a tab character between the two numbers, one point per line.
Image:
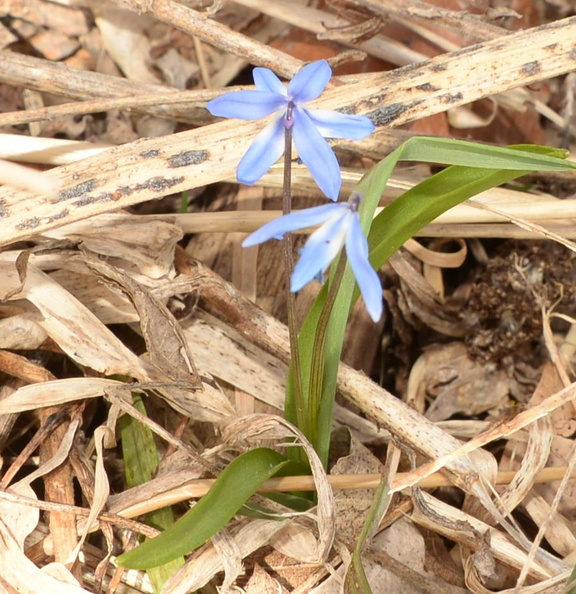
309	126
340	225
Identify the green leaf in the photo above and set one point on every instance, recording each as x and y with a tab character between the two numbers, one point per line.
235	485
475	168
141	460
356	577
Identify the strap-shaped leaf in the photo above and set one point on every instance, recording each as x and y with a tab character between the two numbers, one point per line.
235	485
475	168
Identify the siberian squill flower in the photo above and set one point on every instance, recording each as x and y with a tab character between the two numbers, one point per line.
309	126
340	225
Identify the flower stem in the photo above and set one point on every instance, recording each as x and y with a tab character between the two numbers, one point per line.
302	418
319	353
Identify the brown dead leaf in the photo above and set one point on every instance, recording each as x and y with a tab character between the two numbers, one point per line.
22	575
142	243
21	332
123	36
167	347
261	582
53	45
404	543
457	383
353	505
66	19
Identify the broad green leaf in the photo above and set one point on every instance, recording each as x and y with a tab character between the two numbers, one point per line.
235	485
478	167
141	460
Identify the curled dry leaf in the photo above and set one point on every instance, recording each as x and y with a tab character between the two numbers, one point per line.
532	457
17	521
255	427
138	241
167	347
22	575
75	329
101	489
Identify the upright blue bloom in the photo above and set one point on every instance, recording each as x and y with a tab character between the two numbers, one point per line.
309	126
340	225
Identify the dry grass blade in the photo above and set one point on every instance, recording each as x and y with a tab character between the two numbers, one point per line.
156	167
167	348
96	284
57	78
15	175
502	429
469	531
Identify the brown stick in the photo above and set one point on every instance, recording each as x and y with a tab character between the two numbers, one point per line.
212	32
51	77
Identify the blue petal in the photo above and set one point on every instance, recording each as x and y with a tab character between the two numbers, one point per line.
309	82
322	247
246	105
266	149
266	80
309	217
333	124
366	277
316	154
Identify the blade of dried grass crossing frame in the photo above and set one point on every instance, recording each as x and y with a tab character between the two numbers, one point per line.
159	166
26	178
54	77
502	429
195	488
210	405
452	523
420	12
329	26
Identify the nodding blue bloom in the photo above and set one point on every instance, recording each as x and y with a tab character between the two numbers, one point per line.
340	225
309	126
